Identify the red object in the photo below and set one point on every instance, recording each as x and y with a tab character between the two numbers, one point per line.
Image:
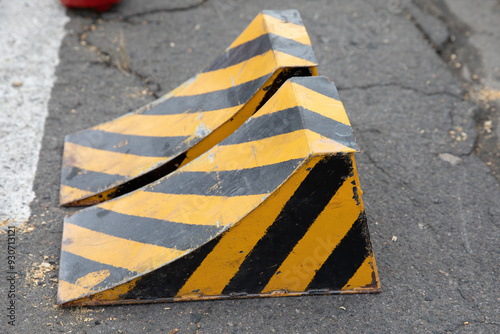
100	5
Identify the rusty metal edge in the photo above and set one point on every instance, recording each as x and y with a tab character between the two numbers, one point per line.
88	302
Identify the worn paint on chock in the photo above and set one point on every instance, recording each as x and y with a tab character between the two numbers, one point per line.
275	209
127	153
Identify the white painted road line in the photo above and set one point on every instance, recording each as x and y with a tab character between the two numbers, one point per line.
30	36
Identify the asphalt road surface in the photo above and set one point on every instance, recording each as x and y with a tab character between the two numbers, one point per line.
432	203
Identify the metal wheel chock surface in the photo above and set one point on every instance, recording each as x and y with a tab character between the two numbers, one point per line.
129	152
275	209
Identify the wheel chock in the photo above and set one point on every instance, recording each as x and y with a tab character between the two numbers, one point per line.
129	152
275	209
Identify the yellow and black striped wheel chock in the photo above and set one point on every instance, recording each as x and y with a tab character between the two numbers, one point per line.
274	209
136	149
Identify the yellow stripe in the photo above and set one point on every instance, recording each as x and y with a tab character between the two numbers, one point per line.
232	125
307	98
68	193
287	60
243	72
118	252
115	293
70	292
307	257
108	162
223	262
267	151
364	275
186	209
289	30
92	279
264	24
284	100
323	145
185	124
67	291
94	198
231	76
321	104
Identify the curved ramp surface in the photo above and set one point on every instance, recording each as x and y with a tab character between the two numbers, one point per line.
274	209
127	153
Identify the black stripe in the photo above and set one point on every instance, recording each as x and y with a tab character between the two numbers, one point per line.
128	144
293	48
166	281
266	126
220	99
99	182
120	187
290	120
240	53
146	230
320	84
259	46
87	180
73	267
329	128
242	182
288	15
298	214
346	259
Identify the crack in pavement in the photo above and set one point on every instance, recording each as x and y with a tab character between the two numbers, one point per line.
374	163
475	144
401	183
475	305
109	62
446	45
457	52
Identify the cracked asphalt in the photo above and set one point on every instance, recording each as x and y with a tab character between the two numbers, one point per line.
432	203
